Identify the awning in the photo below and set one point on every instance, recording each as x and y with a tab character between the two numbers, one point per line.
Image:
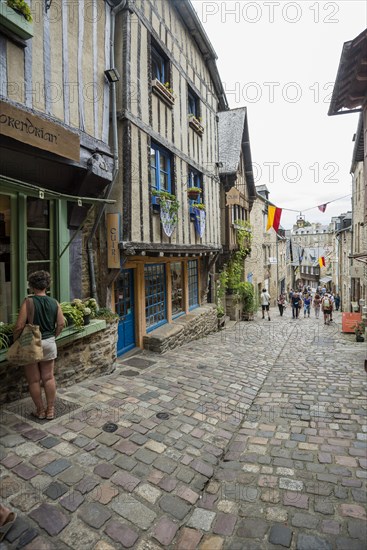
326	280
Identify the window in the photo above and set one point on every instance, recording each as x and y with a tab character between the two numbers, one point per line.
155	295
195	180
39	249
193	104
5	260
160	65
193	283
177	288
160	168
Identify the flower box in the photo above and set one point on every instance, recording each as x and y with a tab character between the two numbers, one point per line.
160	90
15	21
195	124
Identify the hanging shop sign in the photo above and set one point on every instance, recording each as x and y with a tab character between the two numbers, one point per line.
113	237
234	197
38	132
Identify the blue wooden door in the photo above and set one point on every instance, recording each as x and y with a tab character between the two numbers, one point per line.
124	304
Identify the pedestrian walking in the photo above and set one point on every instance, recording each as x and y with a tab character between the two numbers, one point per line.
317	304
326	307
281	304
337	301
48	316
307	305
265	303
332	299
295	305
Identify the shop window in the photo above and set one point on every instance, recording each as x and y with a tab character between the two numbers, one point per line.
38	235
160	169
177	288
193	283
155	295
5	260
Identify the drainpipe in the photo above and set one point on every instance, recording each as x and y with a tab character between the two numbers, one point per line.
92	276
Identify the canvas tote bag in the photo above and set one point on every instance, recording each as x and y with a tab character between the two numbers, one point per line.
28	347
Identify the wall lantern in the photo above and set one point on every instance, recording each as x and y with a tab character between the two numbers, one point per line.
112	75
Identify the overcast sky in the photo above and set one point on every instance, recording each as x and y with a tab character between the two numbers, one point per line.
280	59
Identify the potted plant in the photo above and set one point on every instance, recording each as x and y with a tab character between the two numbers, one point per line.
195	124
359	331
72	314
193	193
6	335
15	15
164	91
246	295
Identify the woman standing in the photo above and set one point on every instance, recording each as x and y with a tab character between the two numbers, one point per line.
49	317
316	305
281	304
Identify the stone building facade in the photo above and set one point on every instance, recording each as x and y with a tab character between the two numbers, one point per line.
266	266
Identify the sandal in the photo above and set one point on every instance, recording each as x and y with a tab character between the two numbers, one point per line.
50	413
40	415
10	520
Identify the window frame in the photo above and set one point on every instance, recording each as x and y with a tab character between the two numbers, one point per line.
147	268
60	236
193	103
195	179
193	292
156	185
162	62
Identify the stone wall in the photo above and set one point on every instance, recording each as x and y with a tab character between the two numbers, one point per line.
196	324
87	357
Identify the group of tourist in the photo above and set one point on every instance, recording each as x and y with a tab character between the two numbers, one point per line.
322	300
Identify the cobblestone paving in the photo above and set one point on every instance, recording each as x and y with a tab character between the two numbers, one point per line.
263	445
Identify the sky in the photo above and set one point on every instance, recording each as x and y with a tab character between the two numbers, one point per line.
280	60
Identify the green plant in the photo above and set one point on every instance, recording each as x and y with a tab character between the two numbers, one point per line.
359	328
199	205
106	314
167	85
72	314
169	203
91	304
22	7
244	237
246	294
221	291
6	334
194	189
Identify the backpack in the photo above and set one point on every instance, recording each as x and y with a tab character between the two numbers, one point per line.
326	303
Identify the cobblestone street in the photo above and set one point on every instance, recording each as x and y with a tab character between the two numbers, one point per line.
252	438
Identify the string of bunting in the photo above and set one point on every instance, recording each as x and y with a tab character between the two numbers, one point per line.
275	213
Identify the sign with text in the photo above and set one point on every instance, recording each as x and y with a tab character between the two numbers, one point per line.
234	197
113	237
38	132
349	320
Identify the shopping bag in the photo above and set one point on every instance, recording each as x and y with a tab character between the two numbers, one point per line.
28	347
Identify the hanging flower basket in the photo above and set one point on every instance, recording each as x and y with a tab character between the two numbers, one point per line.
193	193
168	206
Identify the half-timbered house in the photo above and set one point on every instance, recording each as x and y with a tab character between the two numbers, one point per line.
168	99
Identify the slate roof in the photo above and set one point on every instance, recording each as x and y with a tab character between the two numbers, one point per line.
230	129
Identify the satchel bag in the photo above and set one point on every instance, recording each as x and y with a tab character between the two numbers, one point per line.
28	347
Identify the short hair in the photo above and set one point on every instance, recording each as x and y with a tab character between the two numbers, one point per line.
264	289
40	280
